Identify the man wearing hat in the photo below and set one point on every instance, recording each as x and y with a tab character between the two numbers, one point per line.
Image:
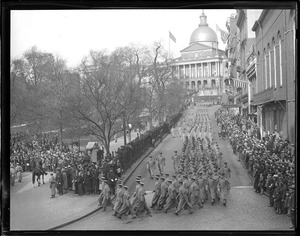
59	181
161	162
141	203
194	193
163	194
171	200
157	189
126	206
52	185
183	199
119	199
135	194
175	160
212	185
224	186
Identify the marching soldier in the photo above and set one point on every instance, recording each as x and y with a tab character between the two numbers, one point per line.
135	194
141	203
194	193
126	206
157	189
183	198
119	200
163	194
171	200
212	185
202	185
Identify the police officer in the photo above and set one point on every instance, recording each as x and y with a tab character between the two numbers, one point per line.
224	187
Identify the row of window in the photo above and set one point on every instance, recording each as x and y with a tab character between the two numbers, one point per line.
271	63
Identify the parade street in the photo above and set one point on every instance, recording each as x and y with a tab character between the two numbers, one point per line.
245	210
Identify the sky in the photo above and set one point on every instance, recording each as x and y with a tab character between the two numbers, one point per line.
71	34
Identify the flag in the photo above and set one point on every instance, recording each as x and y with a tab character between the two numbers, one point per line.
224	34
171	36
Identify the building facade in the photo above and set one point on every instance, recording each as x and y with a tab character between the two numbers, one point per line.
200	68
275	80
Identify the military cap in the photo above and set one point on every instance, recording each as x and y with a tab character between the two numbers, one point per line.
120	185
137	180
105	180
162	177
141	183
180	181
174	176
169	180
156	176
167	174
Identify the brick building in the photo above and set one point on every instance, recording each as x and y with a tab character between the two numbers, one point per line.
275	80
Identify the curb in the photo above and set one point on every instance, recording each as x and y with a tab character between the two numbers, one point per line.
125	180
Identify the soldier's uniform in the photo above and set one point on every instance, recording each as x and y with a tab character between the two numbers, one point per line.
119	200
183	199
224	186
171	200
141	204
52	185
212	185
126	206
194	193
161	160
163	195
202	185
157	189
150	164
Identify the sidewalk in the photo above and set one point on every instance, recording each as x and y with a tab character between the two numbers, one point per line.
32	208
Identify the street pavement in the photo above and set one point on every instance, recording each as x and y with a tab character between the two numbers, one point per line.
32	208
245	209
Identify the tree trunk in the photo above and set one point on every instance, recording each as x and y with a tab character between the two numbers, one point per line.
61	136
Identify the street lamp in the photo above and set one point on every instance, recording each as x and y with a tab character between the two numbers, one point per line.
129	133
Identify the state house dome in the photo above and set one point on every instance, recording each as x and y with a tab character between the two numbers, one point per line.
203	33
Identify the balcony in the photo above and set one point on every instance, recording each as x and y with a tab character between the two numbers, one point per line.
263	96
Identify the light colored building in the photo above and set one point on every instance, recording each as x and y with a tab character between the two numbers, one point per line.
276	77
200	68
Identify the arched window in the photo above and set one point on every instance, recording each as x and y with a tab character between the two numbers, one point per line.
280	58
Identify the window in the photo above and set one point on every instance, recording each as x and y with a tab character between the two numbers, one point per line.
280	59
269	65
265	69
257	72
274	63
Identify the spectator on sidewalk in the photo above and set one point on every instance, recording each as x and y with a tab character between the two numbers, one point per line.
52	185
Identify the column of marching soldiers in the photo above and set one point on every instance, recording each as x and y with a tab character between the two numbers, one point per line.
199	175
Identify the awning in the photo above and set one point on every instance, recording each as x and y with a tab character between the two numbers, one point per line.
91	145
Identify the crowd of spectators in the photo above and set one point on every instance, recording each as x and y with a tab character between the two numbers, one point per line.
74	169
268	158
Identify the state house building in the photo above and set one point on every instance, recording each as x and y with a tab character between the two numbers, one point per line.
200	68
